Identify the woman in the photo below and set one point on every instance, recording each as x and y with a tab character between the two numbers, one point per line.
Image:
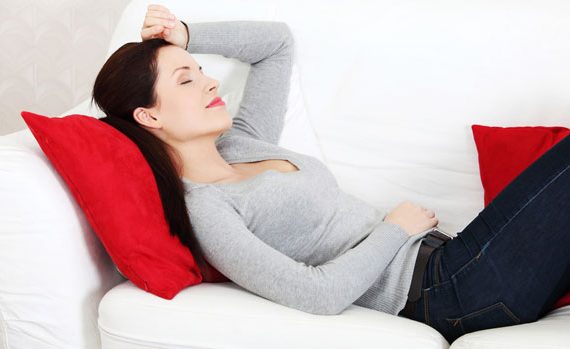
275	221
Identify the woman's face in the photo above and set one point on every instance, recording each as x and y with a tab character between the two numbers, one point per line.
183	92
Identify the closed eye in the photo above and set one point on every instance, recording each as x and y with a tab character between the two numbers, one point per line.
185	82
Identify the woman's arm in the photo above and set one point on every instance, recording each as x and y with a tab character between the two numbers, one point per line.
327	289
269	48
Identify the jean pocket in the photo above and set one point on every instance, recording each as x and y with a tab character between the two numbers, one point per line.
492	316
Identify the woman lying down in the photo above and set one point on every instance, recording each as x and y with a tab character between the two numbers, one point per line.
275	222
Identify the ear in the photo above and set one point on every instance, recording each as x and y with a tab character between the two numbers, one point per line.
144	117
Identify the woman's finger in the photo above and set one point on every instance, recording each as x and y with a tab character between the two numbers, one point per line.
152	21
151	32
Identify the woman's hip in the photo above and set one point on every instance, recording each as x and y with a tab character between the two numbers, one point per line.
463	302
510	263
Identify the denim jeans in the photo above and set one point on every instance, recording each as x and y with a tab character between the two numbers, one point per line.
512	262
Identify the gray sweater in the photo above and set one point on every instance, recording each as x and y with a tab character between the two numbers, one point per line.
294	238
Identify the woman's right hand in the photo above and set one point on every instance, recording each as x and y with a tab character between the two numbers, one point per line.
160	23
413	218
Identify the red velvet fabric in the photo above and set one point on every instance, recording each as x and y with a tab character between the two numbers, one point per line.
115	187
505	152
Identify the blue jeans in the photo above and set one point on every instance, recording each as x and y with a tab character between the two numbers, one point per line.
512	262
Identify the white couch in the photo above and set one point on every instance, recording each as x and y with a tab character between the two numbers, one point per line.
383	92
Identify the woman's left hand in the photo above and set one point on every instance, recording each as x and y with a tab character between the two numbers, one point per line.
160	23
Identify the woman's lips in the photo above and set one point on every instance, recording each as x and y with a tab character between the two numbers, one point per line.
217	102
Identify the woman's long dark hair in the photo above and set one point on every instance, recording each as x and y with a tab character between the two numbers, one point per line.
126	81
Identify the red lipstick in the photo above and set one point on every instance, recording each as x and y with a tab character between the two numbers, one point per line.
216	102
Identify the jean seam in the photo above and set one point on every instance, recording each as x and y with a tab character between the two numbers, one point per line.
444	268
494	207
426	307
506	223
510	313
436	267
524	206
468	264
499	304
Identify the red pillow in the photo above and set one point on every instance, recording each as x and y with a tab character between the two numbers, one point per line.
504	152
115	187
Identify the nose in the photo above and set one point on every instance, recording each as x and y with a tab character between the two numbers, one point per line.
214	85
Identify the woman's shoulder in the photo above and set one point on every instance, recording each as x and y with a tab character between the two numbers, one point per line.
201	198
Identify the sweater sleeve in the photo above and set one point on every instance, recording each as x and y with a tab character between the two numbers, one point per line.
326	289
268	47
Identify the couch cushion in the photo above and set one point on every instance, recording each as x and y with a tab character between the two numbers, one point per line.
224	315
549	332
53	269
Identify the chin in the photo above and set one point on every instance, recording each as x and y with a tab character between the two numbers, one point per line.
230	122
225	128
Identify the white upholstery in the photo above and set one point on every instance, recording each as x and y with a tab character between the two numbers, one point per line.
53	269
390	88
549	332
226	316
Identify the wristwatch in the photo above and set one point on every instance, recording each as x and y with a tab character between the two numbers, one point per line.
187	34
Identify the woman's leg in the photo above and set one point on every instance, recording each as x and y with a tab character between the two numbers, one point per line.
512	262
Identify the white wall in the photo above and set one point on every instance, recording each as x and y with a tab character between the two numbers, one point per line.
50	53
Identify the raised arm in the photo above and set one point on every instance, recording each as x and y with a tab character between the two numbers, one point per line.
327	289
269	48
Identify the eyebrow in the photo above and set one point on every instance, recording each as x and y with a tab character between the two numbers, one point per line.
183	67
